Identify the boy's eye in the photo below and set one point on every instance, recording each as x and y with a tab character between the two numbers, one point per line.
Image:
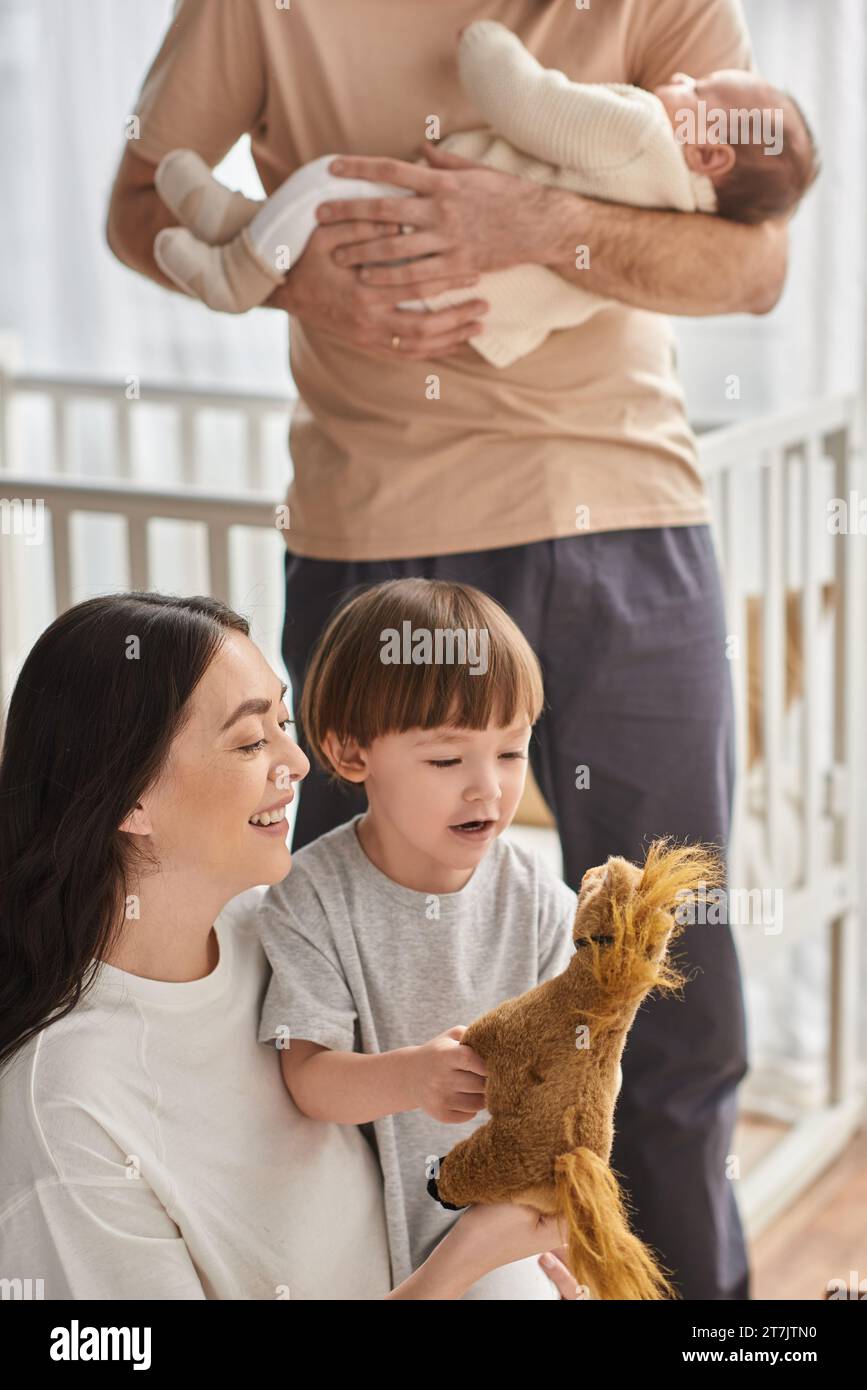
450	762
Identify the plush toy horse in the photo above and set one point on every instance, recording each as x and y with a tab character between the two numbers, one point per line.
553	1057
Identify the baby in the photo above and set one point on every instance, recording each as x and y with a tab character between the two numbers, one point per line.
727	143
397	929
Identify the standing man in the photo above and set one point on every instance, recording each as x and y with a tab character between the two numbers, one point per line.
565	485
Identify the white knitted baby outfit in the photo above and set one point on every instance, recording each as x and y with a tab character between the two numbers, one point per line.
610	141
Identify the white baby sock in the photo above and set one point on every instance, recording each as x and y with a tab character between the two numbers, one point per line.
212	211
230	278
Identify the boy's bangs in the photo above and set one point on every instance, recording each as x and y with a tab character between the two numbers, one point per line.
451	695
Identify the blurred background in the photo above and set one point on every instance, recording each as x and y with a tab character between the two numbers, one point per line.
156	431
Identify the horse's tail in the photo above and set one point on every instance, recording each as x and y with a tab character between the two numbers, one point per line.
604	1254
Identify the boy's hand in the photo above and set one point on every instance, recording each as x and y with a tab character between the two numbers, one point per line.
447	1079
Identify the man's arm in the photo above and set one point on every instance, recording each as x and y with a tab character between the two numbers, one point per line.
135	214
670	262
204	89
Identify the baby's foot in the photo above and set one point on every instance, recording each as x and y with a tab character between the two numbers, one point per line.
230	278
213	212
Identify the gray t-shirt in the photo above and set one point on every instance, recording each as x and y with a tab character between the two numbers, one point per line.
361	963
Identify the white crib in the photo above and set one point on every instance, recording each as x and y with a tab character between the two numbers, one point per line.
209	526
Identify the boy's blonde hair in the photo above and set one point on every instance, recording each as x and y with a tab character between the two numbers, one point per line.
350	691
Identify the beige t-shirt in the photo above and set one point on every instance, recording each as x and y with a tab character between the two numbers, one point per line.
384	465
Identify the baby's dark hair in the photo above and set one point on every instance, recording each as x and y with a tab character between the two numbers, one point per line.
760	186
354	692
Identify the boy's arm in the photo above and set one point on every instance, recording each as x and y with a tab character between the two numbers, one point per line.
349	1088
442	1077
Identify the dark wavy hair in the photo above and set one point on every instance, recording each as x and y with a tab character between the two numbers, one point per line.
90	724
757	187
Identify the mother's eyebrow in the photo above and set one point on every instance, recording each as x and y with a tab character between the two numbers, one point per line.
251	707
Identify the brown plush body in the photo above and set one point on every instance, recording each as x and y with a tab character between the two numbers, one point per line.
551	1096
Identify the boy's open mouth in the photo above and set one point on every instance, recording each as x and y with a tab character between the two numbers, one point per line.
473	829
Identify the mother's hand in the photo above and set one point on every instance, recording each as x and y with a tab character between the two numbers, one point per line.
554	1264
467	218
501	1233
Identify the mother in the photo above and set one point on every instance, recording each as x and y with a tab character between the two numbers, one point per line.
148	1148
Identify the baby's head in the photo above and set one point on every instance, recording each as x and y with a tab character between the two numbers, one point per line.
425	693
750	138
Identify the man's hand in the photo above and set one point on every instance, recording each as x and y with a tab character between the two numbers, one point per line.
466	218
330	296
474	219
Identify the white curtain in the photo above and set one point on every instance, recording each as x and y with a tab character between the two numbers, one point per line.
70	71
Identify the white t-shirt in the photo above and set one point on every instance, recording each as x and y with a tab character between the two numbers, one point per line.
149	1149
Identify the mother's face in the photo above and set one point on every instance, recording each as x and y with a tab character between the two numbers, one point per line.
233	758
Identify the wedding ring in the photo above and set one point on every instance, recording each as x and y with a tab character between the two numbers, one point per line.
395	340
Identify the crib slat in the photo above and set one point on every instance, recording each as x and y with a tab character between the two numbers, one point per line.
137	552
218	560
773	628
730	502
189	468
730	517
61	556
850	483
7	406
123	427
61	443
255	451
812	515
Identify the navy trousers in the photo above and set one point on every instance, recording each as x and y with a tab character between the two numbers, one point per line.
636	741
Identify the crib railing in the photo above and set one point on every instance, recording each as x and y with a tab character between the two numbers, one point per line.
124	400
787	495
40	463
771	483
138	507
774	484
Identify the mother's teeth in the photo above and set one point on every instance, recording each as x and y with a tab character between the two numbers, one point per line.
269	817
